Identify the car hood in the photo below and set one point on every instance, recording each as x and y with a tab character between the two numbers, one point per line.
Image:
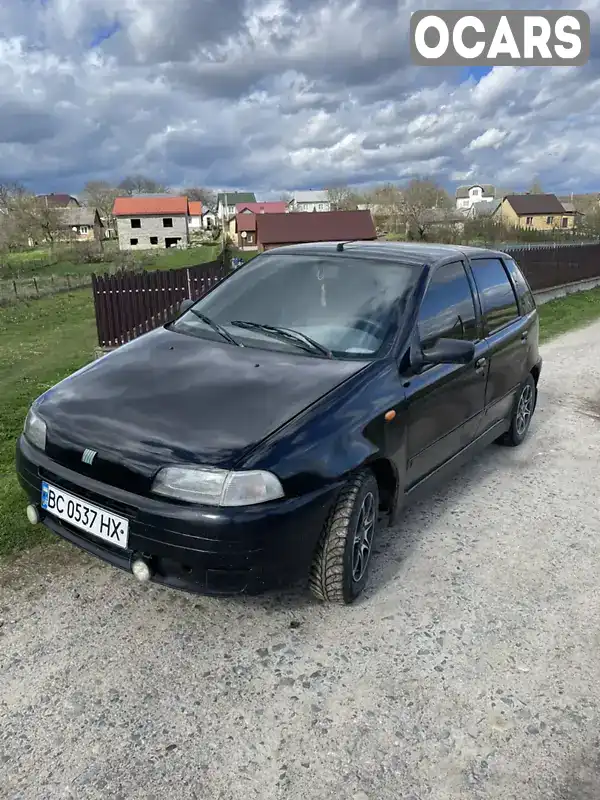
172	398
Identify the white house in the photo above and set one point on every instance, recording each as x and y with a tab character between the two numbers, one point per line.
310	201
209	220
227	201
195	215
466	196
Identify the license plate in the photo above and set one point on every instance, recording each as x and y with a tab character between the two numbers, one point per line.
86	516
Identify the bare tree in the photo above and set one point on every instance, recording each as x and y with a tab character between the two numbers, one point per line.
140	184
386	205
207	197
342	198
419	198
536	187
9	191
34	219
101	195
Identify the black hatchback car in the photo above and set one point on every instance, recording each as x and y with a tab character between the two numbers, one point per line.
263	435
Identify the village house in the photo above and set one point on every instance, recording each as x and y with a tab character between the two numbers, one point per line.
147	222
466	196
244	232
310	201
541	212
227	201
59	200
82	224
194	215
276	230
209	219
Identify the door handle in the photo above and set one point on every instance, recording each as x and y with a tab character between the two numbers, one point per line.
480	365
524	336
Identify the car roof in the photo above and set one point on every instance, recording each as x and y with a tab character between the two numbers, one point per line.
415	254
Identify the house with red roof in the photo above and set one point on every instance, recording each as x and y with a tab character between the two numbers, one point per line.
146	222
243	227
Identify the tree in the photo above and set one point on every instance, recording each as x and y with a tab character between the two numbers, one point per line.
140	184
536	187
101	195
386	205
342	198
35	219
9	191
418	199
207	197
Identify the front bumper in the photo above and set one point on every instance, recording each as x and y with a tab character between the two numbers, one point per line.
195	548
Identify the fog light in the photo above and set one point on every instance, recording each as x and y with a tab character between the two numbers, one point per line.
141	570
33	514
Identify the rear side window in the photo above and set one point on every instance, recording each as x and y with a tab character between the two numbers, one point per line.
498	300
524	292
447	310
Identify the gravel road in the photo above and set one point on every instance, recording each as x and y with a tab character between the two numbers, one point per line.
471	669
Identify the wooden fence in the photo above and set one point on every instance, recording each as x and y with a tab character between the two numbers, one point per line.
131	303
128	304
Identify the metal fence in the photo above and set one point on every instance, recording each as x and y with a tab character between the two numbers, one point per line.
131	303
128	304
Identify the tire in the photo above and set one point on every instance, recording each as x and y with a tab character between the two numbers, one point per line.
337	574
525	403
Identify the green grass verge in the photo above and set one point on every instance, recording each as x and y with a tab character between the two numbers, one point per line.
568	313
43	341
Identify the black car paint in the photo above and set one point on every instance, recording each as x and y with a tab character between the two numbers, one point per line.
168	398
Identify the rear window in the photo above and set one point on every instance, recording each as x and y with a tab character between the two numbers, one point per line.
524	292
498	299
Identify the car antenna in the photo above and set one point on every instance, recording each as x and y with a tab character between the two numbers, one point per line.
340	245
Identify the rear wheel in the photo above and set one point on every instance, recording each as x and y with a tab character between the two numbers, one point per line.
521	415
341	562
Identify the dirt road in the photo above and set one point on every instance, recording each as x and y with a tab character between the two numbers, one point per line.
470	670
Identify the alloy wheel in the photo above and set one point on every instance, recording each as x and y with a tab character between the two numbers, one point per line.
524	410
363	537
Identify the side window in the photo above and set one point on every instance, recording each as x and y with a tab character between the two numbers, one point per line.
496	292
447	310
524	292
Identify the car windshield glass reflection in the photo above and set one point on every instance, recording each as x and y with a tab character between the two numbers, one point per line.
341	306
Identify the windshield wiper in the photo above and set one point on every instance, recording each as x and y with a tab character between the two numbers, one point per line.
216	327
299	339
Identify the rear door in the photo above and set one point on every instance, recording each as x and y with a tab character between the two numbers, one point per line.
505	330
445	402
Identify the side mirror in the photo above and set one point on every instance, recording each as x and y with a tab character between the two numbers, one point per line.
185	305
450	351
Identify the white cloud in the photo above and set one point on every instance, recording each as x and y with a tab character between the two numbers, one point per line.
493	137
277	95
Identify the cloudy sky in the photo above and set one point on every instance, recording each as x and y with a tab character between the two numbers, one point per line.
274	95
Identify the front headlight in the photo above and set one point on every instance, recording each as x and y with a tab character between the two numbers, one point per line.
35	429
217	487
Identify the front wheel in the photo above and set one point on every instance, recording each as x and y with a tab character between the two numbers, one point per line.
342	558
521	415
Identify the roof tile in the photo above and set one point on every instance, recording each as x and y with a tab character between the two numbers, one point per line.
150	206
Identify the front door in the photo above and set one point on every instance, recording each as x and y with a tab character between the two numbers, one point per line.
446	401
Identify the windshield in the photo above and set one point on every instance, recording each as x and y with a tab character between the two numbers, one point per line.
346	305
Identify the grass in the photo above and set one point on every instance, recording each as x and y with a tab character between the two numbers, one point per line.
568	313
32	277
45	340
41	342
